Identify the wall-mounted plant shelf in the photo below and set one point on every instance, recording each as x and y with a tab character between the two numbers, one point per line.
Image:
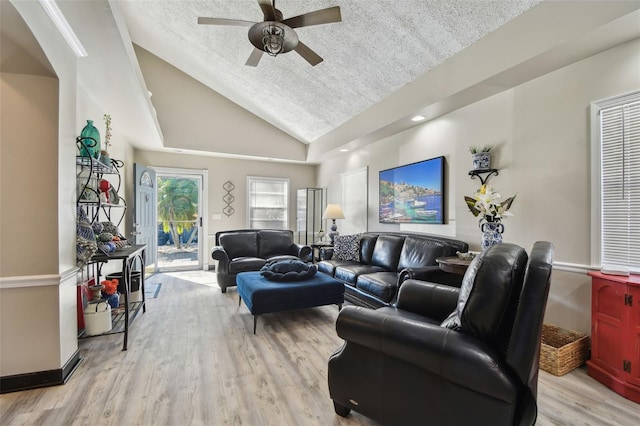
483	174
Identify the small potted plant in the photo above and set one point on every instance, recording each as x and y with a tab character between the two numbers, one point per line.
481	156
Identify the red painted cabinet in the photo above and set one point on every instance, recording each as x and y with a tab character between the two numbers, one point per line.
615	333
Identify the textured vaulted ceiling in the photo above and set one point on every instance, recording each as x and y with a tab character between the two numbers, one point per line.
379	47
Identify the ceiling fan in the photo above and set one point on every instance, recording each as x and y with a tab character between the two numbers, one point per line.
276	35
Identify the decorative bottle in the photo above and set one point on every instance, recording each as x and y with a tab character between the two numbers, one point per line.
91	147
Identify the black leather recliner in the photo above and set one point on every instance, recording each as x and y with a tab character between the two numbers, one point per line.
449	356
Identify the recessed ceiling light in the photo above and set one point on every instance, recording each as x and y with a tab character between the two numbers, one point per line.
344	150
418	118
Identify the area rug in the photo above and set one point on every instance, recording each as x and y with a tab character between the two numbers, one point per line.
151	290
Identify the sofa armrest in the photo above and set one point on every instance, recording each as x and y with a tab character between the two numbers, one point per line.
218	253
417	273
431	300
300	250
432	274
454	356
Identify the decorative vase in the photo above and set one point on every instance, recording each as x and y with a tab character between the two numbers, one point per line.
113	300
96	291
481	160
91	141
491	234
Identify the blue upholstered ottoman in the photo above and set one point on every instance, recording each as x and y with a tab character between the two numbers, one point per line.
263	296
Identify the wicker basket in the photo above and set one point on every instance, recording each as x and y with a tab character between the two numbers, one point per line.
562	350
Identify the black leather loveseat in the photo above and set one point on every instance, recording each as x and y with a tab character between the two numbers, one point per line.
385	259
249	249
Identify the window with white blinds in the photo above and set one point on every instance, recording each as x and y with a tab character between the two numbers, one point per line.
620	184
267	203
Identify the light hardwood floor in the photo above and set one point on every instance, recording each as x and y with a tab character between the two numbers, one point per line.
193	360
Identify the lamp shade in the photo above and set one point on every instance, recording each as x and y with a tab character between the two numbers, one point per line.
333	211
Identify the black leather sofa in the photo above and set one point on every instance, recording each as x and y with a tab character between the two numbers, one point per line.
386	259
449	356
248	250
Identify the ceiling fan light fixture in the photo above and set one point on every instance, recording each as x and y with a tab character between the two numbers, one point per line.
273	38
275	35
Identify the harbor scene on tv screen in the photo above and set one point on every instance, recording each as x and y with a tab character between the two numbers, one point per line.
413	193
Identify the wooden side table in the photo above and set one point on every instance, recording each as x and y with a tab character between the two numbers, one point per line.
453	264
318	247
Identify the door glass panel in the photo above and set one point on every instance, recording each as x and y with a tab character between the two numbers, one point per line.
178	222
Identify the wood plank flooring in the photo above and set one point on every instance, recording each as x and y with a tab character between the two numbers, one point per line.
193	360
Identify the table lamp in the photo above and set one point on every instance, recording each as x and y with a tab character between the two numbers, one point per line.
333	212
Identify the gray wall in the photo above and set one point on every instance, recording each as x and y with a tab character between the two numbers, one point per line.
194	117
221	170
37	183
541	133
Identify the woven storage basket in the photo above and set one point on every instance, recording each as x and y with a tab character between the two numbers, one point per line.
562	350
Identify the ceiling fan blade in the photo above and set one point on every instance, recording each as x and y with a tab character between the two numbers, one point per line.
221	21
309	55
267	10
322	16
254	58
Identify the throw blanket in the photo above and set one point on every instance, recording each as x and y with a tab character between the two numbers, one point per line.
288	270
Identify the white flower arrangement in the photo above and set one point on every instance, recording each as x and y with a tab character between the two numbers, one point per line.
489	205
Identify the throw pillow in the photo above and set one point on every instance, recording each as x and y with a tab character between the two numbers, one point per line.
347	247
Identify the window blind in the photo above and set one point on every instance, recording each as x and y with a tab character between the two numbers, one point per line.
267	203
620	187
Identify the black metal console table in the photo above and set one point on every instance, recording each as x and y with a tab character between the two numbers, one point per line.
129	257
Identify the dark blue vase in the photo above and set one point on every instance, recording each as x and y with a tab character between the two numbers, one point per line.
90	137
113	300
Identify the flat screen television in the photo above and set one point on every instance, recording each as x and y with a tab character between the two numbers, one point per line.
413	193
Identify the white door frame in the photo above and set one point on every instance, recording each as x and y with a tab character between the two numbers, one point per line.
203	174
